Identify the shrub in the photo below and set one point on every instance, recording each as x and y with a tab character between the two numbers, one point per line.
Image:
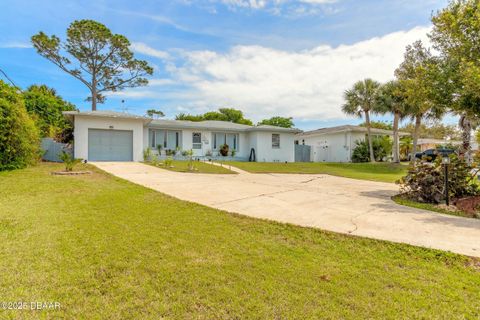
147	154
382	148
154	160
45	106
69	161
159	149
19	138
425	182
224	150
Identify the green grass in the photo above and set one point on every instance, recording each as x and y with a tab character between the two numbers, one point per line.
182	166
109	249
428	206
383	172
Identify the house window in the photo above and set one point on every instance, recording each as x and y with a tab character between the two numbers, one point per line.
167	139
275	140
221	138
196	140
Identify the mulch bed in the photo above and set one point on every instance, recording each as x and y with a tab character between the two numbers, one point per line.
469	205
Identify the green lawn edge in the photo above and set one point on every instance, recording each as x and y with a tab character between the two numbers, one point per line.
379	172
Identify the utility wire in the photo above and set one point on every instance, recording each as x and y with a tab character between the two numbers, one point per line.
11	81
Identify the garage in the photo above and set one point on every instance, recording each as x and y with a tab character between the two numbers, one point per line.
110	145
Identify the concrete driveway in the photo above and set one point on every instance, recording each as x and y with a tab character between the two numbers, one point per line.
337	204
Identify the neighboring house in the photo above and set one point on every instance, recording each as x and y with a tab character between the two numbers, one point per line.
336	144
116	136
429	143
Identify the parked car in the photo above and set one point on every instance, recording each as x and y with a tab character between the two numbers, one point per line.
431	154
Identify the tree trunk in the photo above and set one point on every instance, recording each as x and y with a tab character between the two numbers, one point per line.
94	101
466	126
369	137
396	144
418	123
94	92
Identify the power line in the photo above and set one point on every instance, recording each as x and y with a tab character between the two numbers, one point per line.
11	81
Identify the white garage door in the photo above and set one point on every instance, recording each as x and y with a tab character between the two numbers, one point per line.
110	145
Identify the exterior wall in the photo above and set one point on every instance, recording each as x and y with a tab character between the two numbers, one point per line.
262	142
83	123
333	147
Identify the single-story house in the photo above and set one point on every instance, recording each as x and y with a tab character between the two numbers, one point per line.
430	143
117	136
336	144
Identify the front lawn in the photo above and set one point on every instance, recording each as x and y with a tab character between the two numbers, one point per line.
109	249
383	172
201	167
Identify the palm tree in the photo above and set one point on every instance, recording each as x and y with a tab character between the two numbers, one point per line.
391	99
405	146
360	101
467	123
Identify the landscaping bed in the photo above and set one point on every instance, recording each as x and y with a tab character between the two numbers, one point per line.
198	167
105	248
440	208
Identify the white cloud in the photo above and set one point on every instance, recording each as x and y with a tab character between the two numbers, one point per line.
160	82
318	1
15	45
260	4
308	84
133	93
289	8
143	48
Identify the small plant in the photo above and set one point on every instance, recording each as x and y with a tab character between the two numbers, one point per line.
191	165
234	152
169	162
159	149
185	153
169	152
68	160
224	150
208	153
154	160
147	154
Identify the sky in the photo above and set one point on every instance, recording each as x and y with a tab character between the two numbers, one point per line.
291	58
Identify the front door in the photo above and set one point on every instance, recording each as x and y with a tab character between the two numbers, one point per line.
197	144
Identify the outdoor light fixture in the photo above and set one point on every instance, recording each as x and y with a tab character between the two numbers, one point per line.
446	162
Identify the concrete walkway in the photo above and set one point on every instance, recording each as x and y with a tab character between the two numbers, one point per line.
331	203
